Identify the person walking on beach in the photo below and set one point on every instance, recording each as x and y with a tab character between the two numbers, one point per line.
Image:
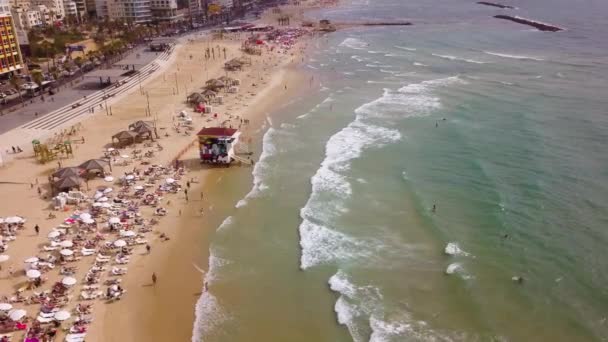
37	229
154	278
148	248
434	208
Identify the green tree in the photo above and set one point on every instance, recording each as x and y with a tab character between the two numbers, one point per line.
79	62
16	83
38	78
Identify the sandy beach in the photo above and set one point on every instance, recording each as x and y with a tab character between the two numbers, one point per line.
164	311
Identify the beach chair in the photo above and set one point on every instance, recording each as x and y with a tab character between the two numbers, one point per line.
87	252
75	337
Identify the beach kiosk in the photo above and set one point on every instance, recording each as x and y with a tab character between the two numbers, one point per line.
216	144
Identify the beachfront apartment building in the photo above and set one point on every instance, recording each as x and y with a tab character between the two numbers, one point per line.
165	10
101	9
10	54
25	19
131	11
70	9
81	7
55	9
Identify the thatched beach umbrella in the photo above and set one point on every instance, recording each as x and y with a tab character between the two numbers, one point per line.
124	137
67	183
214	84
94	165
196	98
67	172
209	93
143	128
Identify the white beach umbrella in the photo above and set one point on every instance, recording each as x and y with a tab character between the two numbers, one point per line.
127	233
68	281
106	205
1	220
66	243
170	180
114	220
89	221
109	179
85	216
97	204
107	190
129	177
103	199
54	234
16	315
62	315
31	260
125	156
110	149
13	219
120	243
5	306
139	187
4	257
66	252
33	274
98	195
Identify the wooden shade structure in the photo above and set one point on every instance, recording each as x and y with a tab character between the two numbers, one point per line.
124	137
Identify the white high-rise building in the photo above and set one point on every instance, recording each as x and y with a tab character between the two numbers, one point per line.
165	10
70	8
55	8
130	11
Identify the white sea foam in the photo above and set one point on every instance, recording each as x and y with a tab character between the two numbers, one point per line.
395	55
405	48
354	43
361	308
209	315
375	52
420	64
228	221
320	240
208	312
376	65
453	268
262	167
452	248
312	67
454	58
504	55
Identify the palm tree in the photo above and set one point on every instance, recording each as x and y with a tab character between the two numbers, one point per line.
38	78
79	62
16	82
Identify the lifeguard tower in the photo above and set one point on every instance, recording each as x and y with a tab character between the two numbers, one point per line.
216	145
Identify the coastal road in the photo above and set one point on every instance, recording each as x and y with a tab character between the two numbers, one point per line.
43	126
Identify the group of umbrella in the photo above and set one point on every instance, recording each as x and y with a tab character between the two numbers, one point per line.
139	130
211	89
68	178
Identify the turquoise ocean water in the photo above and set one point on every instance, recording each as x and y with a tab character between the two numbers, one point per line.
501	127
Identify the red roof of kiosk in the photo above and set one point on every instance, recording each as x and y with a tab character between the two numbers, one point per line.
217	131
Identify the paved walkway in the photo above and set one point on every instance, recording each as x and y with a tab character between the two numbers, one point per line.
67	94
42	127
